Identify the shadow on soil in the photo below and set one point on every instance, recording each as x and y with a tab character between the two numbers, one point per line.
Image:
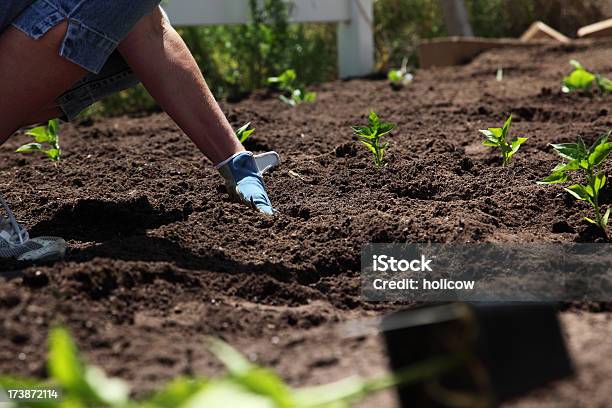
155	249
118	231
93	220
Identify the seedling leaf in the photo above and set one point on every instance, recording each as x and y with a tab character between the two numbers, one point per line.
30	147
600	182
310	97
400	77
516	143
587	161
576	64
578	191
555	178
177	392
370	147
604	84
580	79
64	364
44	136
570	151
600	154
498	137
294	93
244	132
259	380
40	134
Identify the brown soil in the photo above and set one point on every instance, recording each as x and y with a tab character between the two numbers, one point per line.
159	258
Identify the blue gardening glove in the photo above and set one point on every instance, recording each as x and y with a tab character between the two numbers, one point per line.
243	179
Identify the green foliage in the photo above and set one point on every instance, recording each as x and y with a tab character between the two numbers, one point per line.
371	135
510	18
244	132
582	80
295	91
245	385
399	27
46	141
498	137
588	161
237	59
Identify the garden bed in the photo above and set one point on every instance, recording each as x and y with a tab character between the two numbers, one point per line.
159	258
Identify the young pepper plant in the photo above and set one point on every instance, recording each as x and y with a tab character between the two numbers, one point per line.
244	132
589	162
371	135
288	83
582	80
498	137
46	141
400	77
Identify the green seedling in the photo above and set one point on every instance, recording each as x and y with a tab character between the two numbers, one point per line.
589	161
46	141
370	136
498	137
582	80
400	77
244	133
295	92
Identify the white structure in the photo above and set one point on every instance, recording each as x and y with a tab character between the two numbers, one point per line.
354	18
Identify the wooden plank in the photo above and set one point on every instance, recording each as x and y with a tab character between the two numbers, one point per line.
221	12
542	32
597	30
444	52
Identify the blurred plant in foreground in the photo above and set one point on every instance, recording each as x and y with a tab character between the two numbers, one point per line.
245	385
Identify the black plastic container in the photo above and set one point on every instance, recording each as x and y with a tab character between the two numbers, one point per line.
511	349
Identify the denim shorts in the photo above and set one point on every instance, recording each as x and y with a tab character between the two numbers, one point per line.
95	28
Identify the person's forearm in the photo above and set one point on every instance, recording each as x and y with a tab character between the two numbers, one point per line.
164	64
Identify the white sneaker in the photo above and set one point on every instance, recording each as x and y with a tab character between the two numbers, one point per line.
15	241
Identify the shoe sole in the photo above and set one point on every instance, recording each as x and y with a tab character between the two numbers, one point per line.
52	249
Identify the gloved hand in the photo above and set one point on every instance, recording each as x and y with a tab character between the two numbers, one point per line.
243	178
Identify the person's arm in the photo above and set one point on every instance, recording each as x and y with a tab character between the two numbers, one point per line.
164	64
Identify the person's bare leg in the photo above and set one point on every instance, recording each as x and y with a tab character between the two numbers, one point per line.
32	76
44	115
164	64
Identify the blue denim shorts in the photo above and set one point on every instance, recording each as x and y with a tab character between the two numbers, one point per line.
95	28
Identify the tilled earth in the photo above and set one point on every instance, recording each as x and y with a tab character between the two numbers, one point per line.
160	257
